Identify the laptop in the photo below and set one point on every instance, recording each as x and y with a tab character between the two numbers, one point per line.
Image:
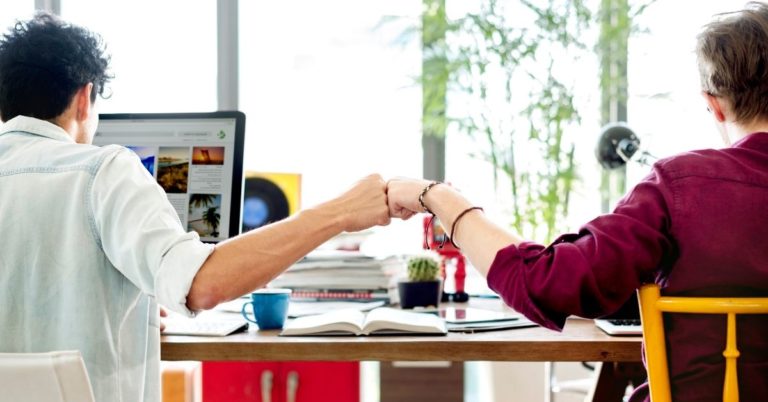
624	322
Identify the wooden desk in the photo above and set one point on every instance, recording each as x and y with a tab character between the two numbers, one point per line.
580	341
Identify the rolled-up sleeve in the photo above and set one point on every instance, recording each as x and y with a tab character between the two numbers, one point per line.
140	231
593	272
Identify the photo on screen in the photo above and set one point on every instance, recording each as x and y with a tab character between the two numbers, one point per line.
204	214
147	156
208	155
173	169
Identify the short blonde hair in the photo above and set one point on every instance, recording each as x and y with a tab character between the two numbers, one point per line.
732	53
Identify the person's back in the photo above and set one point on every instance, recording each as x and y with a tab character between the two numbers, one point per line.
723	197
90	243
62	292
697	225
717	217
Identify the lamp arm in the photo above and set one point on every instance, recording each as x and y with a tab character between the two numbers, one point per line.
644	156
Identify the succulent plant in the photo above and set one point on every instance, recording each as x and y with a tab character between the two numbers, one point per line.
422	269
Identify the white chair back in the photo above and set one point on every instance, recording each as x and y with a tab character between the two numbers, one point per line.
44	377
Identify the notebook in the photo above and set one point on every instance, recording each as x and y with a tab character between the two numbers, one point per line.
470	315
470	320
472	327
625	321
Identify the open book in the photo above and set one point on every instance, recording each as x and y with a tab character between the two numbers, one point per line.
380	321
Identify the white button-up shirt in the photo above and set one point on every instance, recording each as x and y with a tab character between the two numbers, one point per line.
90	245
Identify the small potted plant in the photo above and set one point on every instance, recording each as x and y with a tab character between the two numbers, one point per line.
423	286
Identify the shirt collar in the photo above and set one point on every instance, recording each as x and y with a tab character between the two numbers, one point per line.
757	140
35	126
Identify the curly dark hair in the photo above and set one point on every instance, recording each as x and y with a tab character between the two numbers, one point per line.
43	62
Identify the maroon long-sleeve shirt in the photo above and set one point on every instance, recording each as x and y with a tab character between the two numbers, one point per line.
697	225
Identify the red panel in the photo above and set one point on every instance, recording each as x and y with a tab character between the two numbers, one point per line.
237	381
317	381
325	381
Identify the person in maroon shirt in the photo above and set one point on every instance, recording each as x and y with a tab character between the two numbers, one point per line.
697	225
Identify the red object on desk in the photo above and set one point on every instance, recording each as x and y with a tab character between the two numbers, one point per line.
437	240
274	381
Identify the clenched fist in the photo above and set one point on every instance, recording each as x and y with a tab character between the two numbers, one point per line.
365	204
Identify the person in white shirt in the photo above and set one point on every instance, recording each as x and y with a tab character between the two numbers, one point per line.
91	244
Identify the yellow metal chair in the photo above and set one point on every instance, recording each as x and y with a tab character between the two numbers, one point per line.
652	305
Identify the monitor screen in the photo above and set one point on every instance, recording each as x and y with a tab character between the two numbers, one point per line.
197	158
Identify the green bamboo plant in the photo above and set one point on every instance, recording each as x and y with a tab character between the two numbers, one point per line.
480	61
474	56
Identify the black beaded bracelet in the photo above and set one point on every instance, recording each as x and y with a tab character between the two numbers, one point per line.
424	192
453	227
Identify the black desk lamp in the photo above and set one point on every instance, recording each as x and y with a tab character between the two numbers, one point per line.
617	145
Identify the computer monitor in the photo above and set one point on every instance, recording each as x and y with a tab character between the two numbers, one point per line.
197	158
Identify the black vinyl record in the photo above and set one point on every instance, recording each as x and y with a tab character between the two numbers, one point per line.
264	202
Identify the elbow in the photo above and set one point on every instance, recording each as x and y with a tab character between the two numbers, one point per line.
203	296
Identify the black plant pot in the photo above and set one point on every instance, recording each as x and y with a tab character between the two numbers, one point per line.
419	294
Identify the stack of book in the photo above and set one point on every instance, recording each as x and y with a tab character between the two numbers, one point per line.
348	276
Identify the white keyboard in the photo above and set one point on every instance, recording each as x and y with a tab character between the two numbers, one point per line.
620	326
197	327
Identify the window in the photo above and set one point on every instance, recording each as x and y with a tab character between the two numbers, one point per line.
665	107
15	10
329	90
163	52
467	166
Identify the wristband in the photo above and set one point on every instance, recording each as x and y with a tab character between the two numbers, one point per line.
455	221
424	192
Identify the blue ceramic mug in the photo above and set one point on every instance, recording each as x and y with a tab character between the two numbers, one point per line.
270	307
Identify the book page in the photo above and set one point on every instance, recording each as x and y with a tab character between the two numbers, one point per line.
336	322
389	320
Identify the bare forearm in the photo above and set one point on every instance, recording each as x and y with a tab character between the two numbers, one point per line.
250	261
479	238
